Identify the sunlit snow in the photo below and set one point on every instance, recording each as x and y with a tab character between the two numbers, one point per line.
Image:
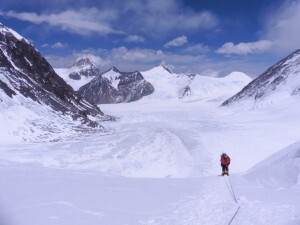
158	164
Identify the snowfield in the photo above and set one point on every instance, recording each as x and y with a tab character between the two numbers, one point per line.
158	165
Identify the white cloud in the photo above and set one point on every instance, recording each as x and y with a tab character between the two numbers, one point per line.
245	48
57	45
44	45
282	27
83	22
197	49
179	41
144	58
152	18
160	17
134	38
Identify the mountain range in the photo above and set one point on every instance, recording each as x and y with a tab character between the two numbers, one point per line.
28	81
157	83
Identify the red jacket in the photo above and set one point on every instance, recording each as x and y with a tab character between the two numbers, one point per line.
225	160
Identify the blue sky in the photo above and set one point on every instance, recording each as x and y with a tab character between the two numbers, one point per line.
210	37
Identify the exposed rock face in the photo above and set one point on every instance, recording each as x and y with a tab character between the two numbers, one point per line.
114	86
83	68
283	75
23	70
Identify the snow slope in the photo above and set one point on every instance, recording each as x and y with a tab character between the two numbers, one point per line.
25	120
158	165
280	170
166	84
209	88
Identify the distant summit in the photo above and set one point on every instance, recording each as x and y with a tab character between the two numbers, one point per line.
84	63
114	86
163	66
80	73
83	68
283	78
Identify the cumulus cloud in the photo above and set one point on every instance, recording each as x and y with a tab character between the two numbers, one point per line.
154	18
134	38
179	41
282	27
83	22
143	59
58	45
245	48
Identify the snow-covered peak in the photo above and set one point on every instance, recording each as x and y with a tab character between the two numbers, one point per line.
164	67
80	73
83	64
113	75
238	76
7	31
159	69
114	69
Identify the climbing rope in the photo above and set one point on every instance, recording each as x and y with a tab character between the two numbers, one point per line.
234	197
229	187
234	215
232	191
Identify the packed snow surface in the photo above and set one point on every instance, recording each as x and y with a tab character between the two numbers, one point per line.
158	164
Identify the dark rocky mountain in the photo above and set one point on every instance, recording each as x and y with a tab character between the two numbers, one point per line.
83	68
114	86
24	71
283	76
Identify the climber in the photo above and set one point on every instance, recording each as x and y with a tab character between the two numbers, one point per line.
225	161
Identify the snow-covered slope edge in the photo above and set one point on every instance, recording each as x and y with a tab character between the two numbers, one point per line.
279	170
280	81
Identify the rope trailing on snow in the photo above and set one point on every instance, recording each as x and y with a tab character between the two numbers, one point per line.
234	197
230	189
233	194
234	215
